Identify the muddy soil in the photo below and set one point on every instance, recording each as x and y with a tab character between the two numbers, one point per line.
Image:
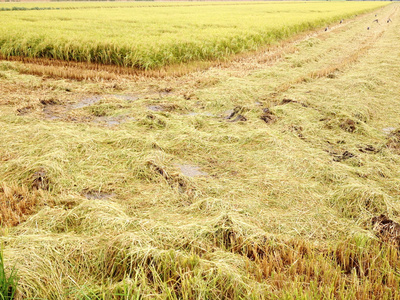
55	110
236	114
96	195
268	116
191	170
40	180
386	229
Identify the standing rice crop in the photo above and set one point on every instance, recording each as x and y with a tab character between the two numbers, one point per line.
158	35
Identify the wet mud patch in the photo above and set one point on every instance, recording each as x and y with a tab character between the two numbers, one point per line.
367	149
298	130
236	114
393	141
206	114
50	101
54	112
163	92
387	230
189	96
52	107
105	109
32	105
97	195
340	155
348	125
86	102
344	156
113	121
175	181
96	112
153	122
58	111
388	130
191	170
268	116
127	98
155	108
40	180
287	101
345	124
23	111
168	107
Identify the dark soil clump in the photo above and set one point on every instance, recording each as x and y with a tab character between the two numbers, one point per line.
50	101
346	155
175	181
286	101
163	107
24	110
40	180
267	116
239	118
236	115
348	125
367	149
298	130
394	140
386	229
96	195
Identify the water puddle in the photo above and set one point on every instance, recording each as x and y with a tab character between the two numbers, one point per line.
156	108
94	195
388	130
50	114
163	107
53	111
95	99
191	171
113	121
24	110
128	98
235	115
86	102
207	114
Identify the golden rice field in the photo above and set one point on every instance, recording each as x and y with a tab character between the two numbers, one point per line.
272	175
157	34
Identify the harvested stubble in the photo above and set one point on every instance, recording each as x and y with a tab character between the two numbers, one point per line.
279	215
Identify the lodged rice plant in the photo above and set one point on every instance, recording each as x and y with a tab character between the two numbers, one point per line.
273	177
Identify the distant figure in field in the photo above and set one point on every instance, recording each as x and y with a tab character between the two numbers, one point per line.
376	20
376	15
367	28
341	21
389	20
326	29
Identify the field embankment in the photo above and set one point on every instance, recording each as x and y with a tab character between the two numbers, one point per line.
258	179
